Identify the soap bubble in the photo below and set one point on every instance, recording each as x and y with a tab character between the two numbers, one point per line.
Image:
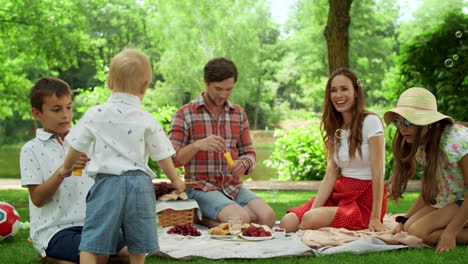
448	63
361	82
455	57
458	34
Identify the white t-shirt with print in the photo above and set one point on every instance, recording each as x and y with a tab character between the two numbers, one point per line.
359	168
121	135
39	159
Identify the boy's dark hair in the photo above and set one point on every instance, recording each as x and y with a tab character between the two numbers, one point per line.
46	87
219	69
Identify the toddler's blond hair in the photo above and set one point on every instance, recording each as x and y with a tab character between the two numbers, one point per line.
129	71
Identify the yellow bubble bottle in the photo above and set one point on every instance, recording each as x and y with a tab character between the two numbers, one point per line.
228	157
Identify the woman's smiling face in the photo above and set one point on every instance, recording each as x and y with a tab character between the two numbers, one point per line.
342	93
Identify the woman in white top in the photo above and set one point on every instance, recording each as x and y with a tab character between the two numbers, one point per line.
352	193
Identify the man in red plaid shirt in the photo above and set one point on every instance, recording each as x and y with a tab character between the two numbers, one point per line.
201	132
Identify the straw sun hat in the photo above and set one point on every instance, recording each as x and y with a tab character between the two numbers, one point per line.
417	105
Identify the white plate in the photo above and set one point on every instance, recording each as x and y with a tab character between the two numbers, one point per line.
225	237
257	238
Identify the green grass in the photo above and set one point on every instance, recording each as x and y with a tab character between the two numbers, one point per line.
9	163
19	250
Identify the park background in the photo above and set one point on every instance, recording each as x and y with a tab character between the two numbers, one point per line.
283	54
284	51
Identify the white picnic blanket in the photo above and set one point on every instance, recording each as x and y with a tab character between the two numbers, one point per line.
180	247
362	246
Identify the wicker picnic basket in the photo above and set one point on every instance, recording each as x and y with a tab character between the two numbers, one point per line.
170	217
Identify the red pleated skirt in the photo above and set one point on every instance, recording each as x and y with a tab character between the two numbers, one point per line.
353	198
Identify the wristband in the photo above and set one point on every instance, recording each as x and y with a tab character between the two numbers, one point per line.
401	219
246	164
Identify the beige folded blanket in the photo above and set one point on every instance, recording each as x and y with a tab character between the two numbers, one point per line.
328	236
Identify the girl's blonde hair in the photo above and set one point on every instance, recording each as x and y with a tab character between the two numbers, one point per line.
129	71
404	166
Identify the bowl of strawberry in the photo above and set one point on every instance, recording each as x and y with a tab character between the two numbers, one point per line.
184	230
280	233
257	233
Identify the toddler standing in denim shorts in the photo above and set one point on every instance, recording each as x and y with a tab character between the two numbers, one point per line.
122	136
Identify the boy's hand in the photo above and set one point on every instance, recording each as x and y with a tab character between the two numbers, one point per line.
62	172
179	185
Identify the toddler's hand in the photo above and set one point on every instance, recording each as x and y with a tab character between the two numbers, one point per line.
81	162
179	185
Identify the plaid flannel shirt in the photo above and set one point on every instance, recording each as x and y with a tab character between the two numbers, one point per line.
193	122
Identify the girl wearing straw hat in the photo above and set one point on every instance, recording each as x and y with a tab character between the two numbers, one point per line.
439	216
352	193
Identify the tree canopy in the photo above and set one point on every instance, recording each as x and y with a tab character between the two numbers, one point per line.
282	68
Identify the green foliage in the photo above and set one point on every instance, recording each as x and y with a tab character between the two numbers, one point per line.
299	154
373	46
429	14
422	64
36	39
304	65
372	49
278	71
92	96
192	32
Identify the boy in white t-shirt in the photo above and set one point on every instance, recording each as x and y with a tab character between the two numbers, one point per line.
122	136
56	201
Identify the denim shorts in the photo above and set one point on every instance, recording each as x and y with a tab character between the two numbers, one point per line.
212	202
118	202
64	244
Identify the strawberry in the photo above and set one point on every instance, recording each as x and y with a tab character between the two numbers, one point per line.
251	229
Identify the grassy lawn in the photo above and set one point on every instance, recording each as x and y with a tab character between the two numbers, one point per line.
19	250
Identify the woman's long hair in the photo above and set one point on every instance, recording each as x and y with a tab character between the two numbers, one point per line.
404	166
332	120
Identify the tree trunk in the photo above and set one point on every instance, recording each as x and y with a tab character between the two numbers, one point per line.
336	34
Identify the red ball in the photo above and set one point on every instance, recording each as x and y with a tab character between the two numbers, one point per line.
9	221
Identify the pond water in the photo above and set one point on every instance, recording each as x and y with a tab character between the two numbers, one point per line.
9	161
262	172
